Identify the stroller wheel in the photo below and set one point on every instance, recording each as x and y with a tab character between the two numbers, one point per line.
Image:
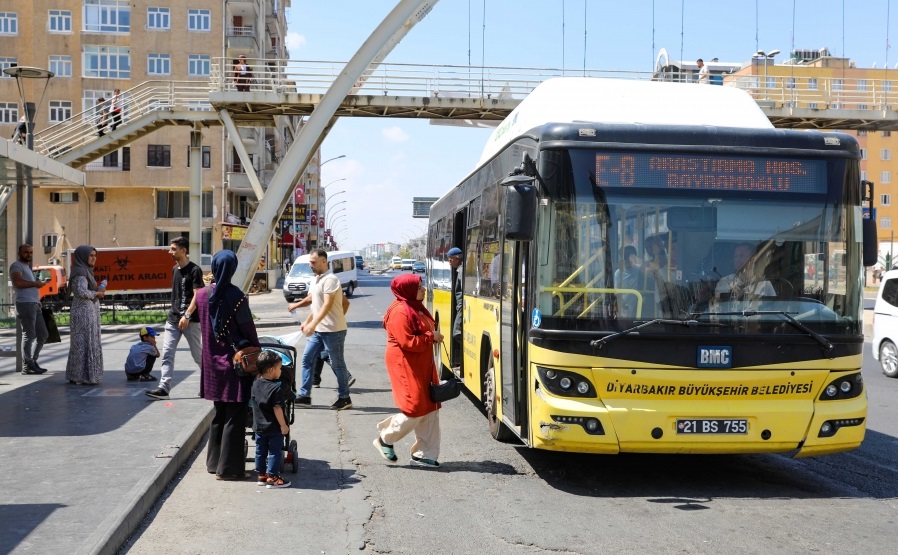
293	451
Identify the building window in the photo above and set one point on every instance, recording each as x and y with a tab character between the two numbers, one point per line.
207	156
108	62
107	16
863	175
63	198
885	154
861	106
60	110
164	238
885	177
199	20
863	154
158	19
790	82
885	223
61	66
886	133
89	107
9	23
885	200
198	65
60	21
5	63
199	106
837	84
812	105
159	156
9	112
862	84
812	84
862	133
887	86
176	204
159	64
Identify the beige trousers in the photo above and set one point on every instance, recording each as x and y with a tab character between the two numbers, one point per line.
427	433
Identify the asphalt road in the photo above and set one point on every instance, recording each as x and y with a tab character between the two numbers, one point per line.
496	498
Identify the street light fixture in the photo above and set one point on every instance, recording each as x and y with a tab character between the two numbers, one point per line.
336	218
766	57
25	202
330	198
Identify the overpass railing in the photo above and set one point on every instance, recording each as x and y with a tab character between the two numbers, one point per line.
138	101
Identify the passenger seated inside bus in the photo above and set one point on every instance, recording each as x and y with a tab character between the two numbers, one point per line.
631	276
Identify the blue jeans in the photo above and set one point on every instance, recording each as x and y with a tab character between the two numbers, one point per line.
332	341
269	454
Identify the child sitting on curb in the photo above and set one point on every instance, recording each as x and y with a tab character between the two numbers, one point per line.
269	423
142	356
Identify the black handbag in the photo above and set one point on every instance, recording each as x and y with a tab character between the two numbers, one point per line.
444	391
50	323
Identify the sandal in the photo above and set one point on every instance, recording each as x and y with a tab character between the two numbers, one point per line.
385	451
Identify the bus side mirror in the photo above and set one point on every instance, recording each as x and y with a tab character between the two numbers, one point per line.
520	212
871	243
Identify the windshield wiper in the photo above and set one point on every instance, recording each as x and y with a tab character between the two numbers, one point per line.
824	342
691	323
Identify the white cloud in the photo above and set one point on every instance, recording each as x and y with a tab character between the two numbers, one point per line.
294	41
395	134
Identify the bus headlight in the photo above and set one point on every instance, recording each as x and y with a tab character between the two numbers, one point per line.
844	387
565	383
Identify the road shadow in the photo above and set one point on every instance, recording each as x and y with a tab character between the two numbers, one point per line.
17	522
690	482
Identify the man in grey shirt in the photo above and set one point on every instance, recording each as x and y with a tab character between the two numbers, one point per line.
28	309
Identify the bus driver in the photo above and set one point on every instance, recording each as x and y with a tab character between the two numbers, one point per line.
743	284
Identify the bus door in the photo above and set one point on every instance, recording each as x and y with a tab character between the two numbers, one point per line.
457	276
514	340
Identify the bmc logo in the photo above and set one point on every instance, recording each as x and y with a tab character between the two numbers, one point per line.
715	357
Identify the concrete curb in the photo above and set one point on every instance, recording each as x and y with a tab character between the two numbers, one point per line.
126	517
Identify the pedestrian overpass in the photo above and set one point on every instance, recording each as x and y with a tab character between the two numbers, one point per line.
475	96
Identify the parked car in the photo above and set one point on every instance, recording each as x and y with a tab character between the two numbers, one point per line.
885	324
419	267
359	263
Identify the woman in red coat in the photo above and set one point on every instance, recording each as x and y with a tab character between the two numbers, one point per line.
409	357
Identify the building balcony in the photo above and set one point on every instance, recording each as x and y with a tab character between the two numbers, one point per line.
243	44
238	183
242	8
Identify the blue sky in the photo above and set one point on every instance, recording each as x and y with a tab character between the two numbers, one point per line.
389	161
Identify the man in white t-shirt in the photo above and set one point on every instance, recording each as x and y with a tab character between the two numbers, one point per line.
326	328
702	72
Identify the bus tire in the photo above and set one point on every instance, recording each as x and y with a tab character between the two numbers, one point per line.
888	359
498	429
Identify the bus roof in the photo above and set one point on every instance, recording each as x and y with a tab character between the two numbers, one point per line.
583	99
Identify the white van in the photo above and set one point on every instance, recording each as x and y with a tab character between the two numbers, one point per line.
341	263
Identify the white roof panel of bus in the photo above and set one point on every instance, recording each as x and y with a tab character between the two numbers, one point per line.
582	99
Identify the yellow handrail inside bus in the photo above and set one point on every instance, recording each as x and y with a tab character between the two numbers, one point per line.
558	290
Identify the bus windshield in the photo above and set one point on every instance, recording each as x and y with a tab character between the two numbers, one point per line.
622	241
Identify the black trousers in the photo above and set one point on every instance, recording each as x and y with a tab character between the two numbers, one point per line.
224	453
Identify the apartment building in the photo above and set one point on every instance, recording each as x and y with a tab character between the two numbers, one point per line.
138	195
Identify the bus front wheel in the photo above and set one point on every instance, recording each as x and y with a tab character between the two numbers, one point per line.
498	430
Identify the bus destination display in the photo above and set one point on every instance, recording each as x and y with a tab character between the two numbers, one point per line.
710	173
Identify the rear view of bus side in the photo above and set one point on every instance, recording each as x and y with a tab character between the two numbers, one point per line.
652	267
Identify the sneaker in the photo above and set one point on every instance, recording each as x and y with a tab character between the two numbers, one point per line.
385	451
158	393
276	482
421	461
317	383
263	479
39	369
132	377
351	381
303	400
342	403
146	378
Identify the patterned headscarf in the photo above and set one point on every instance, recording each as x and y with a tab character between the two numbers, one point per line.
225	295
81	267
405	288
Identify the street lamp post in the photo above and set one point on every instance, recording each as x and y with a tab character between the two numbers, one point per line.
320	189
766	57
25	195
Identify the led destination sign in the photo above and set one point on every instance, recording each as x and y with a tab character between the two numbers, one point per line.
710	173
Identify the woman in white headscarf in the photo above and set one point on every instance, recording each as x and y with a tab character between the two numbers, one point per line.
85	365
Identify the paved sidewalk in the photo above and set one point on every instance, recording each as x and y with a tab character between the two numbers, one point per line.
84	464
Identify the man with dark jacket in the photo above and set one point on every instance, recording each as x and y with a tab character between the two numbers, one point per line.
187	277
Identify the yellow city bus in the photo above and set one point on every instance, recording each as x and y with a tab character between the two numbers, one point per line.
635	279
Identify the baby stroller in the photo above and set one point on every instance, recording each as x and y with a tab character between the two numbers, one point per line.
288	378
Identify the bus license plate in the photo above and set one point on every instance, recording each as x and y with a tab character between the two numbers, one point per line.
712	426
